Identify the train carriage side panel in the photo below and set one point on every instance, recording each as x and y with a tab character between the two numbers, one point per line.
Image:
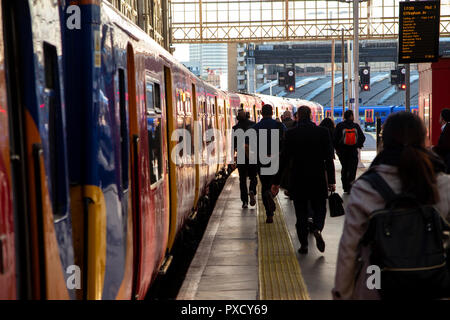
36	101
99	151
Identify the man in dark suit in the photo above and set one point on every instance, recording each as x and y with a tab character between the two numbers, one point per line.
265	127
443	146
312	176
245	169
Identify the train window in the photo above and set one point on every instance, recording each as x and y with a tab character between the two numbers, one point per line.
55	131
123	128
149	97
383	114
157	97
361	112
154	131
377	114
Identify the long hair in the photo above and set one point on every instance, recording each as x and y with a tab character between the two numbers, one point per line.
406	132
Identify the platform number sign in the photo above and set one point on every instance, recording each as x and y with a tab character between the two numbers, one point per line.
419	31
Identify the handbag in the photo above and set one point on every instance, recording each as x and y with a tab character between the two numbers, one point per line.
335	203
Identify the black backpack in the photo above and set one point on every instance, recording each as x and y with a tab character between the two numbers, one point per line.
406	240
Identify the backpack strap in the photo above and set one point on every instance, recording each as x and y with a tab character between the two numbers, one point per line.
381	186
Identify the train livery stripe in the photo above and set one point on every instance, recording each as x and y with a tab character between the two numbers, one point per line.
51	268
126	287
96	241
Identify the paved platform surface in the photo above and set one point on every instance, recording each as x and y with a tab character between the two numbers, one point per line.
226	264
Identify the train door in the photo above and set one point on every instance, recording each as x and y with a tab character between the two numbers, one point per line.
197	140
134	161
170	146
217	139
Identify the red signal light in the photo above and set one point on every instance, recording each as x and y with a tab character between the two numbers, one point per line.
403	86
366	87
291	88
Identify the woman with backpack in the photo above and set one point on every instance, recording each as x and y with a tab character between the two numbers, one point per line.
409	169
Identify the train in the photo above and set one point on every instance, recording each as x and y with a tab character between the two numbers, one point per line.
92	198
369	114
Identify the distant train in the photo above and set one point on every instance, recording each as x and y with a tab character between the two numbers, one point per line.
369	114
88	119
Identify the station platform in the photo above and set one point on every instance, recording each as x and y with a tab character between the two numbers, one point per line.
242	258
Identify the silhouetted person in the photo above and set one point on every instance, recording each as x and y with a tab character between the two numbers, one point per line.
287	120
348	138
246	170
328	123
310	149
443	146
269	124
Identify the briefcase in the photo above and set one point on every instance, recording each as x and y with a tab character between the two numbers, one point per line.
335	203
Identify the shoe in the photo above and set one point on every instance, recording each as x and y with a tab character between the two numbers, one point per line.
269	219
303	249
252	198
319	241
244	205
270	202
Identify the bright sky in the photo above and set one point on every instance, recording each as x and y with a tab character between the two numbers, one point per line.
181	52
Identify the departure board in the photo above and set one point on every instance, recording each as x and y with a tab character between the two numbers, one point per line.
419	31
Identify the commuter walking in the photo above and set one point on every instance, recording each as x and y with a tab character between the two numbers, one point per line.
328	123
268	124
443	146
348	138
312	176
409	169
287	120
246	170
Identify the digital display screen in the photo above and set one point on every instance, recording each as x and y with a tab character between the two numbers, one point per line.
419	31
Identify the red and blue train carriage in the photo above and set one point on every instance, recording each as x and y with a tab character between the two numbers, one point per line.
90	117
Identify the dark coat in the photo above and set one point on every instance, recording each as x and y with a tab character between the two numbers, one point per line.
244	125
289	123
339	132
443	146
310	149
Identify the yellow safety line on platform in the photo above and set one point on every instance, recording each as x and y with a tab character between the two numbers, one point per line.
280	277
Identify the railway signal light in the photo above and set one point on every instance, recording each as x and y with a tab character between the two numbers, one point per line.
401	71
364	78
290	79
